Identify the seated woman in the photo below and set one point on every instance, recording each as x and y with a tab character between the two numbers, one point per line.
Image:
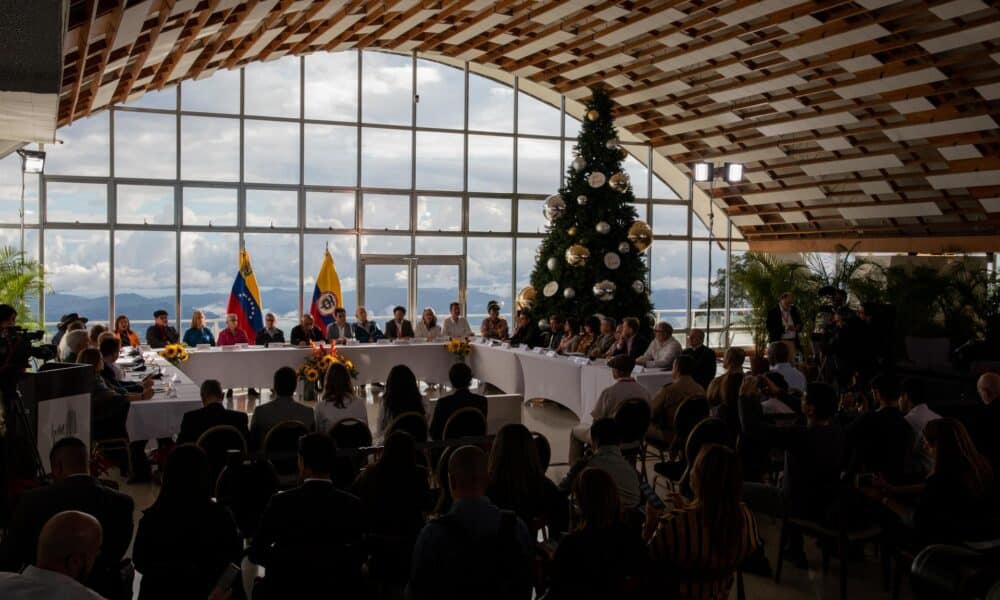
517	482
401	395
123	329
571	336
198	333
338	401
494	327
427	327
185	539
591	327
696	547
603	557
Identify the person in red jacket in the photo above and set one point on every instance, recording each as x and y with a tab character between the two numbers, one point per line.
232	334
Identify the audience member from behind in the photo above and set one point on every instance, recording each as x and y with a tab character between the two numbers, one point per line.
663	350
73	489
73	343
987	431
517	482
160	333
212	413
95	333
696	547
68	322
475	550
282	407
604	557
109	404
184	540
68	548
912	402
270	334
198	333
460	376
395	494
401	395
724	391
338	401
704	358
310	537
624	388
880	441
778	355
774	389
607	457
681	387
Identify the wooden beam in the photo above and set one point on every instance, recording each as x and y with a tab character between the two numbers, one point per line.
170	62
901	244
83	52
109	34
129	78
243	46
233	20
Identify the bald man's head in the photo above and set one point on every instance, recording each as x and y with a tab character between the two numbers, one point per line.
69	543
988	387
467	472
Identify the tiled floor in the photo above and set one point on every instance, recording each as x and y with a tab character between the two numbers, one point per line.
555	422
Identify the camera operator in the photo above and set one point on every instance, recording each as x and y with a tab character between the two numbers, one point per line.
15	350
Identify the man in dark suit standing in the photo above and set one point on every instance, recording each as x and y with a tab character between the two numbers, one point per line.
73	489
783	321
461	377
160	333
310	537
212	413
398	327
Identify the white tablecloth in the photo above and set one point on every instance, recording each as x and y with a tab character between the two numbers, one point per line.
497	366
160	416
429	361
555	378
241	367
594	378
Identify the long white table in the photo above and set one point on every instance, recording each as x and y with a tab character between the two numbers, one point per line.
160	416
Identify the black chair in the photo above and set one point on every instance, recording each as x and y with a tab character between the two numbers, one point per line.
412	423
707	431
352	433
281	448
443	503
465	422
217	442
940	571
245	488
632	418
544	450
689	413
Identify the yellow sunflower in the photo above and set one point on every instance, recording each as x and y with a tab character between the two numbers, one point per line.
169	352
328	360
182	355
311	374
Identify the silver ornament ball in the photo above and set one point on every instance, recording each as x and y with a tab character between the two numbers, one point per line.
552	263
596	179
582	200
569	293
638	286
579	163
623	248
603	228
555	206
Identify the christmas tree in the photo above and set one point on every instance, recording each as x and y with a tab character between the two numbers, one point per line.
590	260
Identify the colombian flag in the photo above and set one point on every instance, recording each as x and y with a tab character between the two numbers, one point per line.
244	299
326	294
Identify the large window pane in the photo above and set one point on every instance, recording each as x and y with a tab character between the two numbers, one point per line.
215	207
271	154
76	202
330	209
210	149
386	211
208	267
332	86
145	204
661	191
488	272
385	244
700	283
331	155
489	214
76	269
491	164
385	158
145	145
668	272
86	148
670	219
275	259
385	288
491	105
638	173
537	166
441	90
439	213
387	88
145	273
529	216
10	191
219	93
272	208
536	117
527	254
272	88
344	250
437	244
439	160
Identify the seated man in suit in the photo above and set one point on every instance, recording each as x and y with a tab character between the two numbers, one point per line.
73	489
310	537
398	327
632	344
212	413
160	333
306	332
282	407
526	333
461	377
270	334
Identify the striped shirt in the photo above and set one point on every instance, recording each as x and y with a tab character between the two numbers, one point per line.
681	551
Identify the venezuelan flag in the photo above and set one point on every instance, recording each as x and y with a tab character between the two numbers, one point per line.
326	294
244	299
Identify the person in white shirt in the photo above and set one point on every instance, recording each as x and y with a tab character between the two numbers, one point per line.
777	388
338	401
427	327
912	403
663	349
67	550
624	388
778	355
455	326
339	331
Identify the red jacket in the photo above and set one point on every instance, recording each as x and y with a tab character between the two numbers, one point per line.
228	338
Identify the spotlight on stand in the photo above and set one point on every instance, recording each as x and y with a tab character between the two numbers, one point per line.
704	171
733	172
33	160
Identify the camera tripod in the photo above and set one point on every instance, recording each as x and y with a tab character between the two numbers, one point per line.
24	433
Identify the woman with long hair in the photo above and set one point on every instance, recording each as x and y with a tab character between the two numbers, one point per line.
571	336
591	329
123	329
401	395
603	557
427	327
517	483
696	547
184	540
198	333
338	400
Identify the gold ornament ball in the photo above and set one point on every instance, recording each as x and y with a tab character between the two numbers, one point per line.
640	235
622	153
593	115
619	182
571	231
577	255
526	298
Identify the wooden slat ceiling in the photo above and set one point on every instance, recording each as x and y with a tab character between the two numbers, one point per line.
868	119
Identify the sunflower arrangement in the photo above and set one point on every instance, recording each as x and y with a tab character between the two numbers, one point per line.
459	347
320	360
175	354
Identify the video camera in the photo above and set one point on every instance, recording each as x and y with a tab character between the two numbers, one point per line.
27	335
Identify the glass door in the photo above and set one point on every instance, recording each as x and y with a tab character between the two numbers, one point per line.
412	282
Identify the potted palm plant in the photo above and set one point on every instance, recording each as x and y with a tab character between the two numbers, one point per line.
22	281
